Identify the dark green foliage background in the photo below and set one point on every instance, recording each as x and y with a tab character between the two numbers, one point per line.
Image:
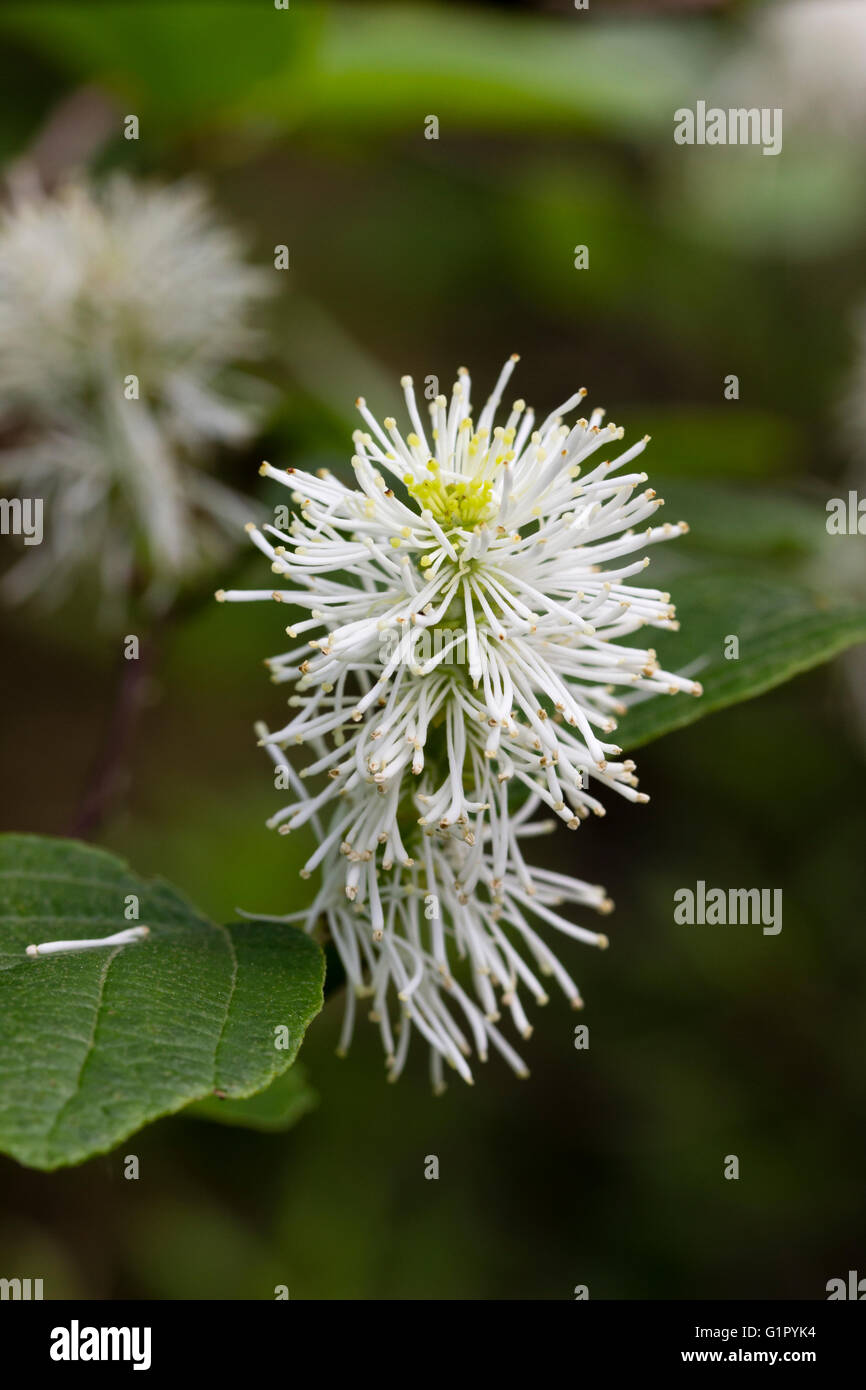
408	255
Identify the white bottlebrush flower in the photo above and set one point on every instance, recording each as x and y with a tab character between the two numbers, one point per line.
491	541
97	287
517	564
471	899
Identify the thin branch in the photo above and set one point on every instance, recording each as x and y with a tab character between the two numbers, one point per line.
108	771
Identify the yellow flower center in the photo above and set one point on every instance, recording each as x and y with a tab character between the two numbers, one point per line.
467	502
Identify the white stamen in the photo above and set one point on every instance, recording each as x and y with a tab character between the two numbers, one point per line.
121	938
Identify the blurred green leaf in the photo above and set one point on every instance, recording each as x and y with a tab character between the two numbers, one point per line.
188	1245
741	522
95	1044
178	62
673	289
273	1110
354	68
726	441
806	204
386	65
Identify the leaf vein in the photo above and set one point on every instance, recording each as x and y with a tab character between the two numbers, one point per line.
90	1046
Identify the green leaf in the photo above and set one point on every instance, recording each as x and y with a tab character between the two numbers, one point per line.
273	1110
758	566
781	629
95	1044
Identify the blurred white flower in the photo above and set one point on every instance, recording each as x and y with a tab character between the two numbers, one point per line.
97	287
492	539
808	57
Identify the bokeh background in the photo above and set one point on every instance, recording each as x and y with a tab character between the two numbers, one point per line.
408	254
